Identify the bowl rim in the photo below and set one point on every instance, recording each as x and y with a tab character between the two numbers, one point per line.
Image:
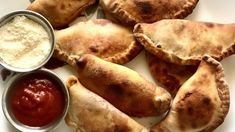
20	126
36	17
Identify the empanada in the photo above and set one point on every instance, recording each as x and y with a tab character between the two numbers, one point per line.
202	102
130	12
99	37
60	12
89	112
185	42
172	76
124	88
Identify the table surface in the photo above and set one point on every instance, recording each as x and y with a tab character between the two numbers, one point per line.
220	11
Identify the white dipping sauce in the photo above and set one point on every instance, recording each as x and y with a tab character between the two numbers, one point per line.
23	43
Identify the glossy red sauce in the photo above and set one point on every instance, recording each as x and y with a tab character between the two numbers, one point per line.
37	100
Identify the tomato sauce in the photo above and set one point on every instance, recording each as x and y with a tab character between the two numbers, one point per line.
37	100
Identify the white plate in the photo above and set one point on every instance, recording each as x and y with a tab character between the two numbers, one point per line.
221	11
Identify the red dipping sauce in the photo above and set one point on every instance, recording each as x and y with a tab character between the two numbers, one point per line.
37	100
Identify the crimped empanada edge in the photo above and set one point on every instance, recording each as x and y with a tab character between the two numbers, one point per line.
223	91
229	51
117	11
187	10
127	19
72	80
77	13
133	50
81	9
151	68
60	25
154	49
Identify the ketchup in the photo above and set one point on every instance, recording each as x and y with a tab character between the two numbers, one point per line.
37	100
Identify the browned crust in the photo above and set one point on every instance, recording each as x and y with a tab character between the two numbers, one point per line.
188	9
72	17
229	51
171	57
118	12
133	50
118	54
124	87
116	121
171	75
79	11
127	19
110	17
69	83
223	91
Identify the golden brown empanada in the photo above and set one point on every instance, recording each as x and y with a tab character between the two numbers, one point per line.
202	102
60	12
185	42
99	37
122	87
130	12
89	112
172	76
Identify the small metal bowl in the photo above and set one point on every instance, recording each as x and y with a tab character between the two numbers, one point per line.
40	20
6	97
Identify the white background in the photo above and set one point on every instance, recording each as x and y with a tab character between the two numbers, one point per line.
221	11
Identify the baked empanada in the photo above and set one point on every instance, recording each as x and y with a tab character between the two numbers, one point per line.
202	102
122	87
60	12
89	112
185	42
130	12
99	37
172	76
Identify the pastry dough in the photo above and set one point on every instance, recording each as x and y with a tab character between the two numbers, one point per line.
90	113
185	42
99	37
60	12
202	102
172	76
122	87
130	12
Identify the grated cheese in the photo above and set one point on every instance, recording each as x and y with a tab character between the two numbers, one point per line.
23	43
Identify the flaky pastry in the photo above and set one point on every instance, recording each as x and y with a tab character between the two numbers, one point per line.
130	12
170	75
99	37
89	112
185	42
201	103
60	12
122	87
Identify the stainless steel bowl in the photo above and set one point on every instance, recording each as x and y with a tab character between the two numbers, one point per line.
39	19
7	95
